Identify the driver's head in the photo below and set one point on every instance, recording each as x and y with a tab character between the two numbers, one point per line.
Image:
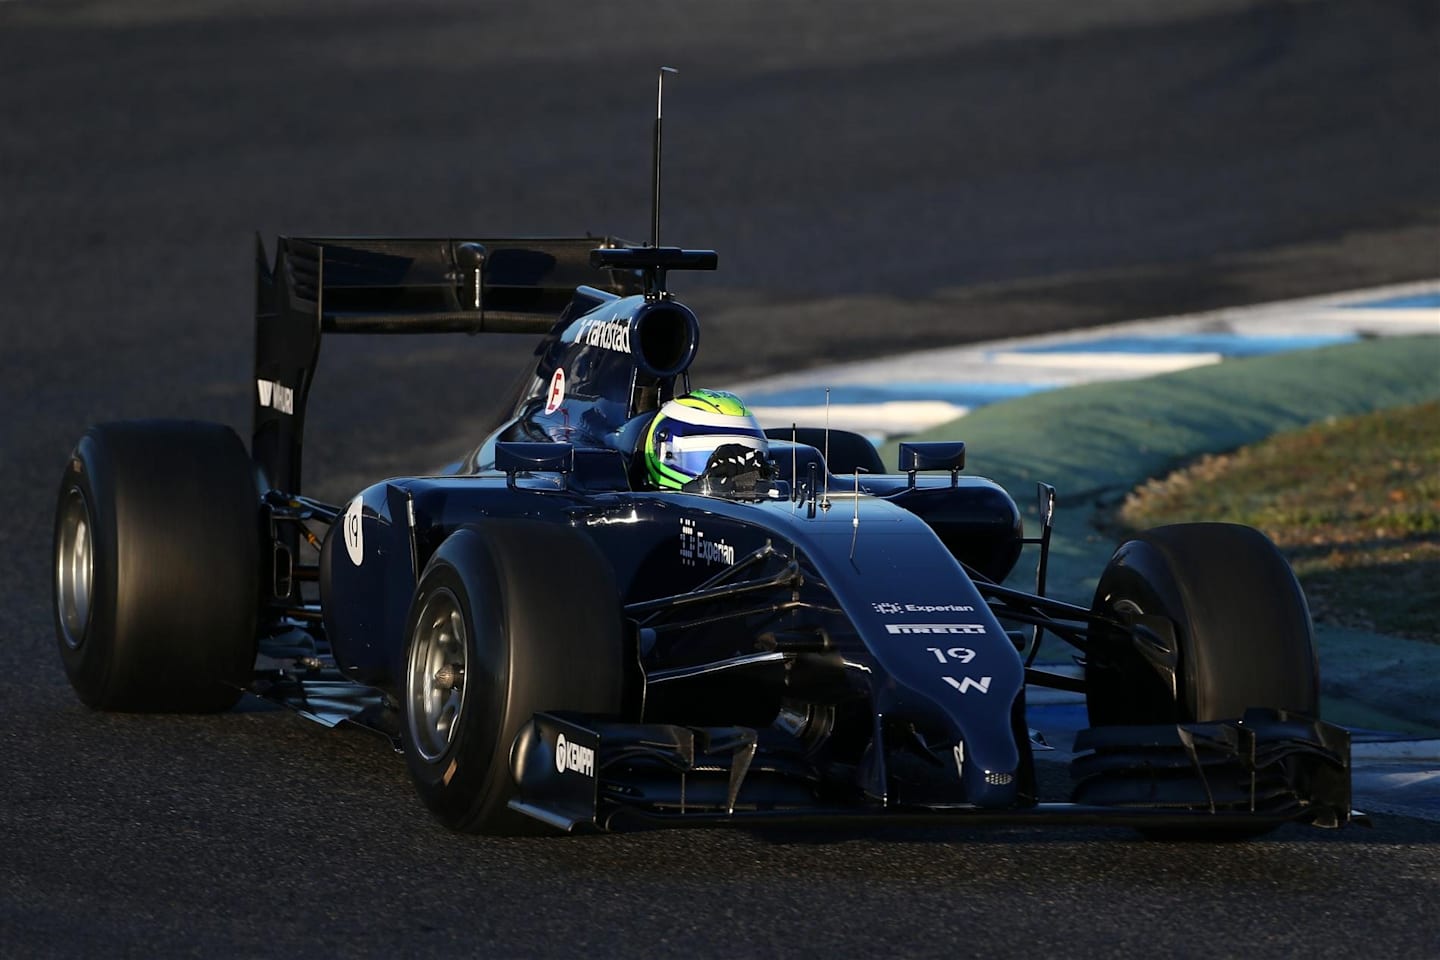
688	429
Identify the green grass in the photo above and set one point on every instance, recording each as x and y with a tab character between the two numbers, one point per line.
1353	502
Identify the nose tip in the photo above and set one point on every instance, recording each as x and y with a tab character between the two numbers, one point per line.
991	788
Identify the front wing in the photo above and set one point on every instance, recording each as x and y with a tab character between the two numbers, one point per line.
1270	767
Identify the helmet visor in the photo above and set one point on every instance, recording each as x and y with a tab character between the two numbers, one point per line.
690	455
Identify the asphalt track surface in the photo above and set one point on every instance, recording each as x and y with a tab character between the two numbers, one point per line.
875	179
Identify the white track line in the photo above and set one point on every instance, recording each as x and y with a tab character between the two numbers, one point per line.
890	417
1138	364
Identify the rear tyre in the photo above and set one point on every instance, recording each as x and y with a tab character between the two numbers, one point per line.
1243	634
848	451
510	618
156	567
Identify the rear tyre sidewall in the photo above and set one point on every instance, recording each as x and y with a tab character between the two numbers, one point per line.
172	511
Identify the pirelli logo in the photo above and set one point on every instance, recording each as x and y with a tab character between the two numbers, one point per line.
932	629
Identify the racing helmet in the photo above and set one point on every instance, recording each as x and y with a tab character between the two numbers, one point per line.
689	429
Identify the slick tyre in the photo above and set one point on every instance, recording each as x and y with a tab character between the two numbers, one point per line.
1242	635
1242	629
848	451
156	567
510	618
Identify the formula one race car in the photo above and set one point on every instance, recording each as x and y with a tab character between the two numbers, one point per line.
629	607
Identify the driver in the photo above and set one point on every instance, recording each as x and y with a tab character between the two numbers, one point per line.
705	433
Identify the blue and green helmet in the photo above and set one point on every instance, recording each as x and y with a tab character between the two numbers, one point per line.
688	429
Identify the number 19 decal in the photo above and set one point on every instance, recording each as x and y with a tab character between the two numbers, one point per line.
955	654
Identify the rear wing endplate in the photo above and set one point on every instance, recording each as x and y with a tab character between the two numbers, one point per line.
379	285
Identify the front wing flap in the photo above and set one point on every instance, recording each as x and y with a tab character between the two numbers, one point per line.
1269	762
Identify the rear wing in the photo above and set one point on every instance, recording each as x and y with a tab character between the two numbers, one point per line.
378	285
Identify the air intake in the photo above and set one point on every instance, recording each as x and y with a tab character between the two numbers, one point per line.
664	336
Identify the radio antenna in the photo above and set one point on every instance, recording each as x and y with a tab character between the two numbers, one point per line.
794	468
855	521
655	199
825	500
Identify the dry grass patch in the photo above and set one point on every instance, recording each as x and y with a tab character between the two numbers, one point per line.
1354	503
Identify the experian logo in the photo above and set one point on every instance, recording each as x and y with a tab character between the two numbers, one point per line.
934	628
886	607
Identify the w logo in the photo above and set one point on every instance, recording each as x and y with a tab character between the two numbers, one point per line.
966	684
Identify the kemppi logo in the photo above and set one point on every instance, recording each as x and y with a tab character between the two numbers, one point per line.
574	757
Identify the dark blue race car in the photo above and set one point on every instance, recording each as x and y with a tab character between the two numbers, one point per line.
629	606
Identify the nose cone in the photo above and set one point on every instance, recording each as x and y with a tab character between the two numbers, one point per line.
981	766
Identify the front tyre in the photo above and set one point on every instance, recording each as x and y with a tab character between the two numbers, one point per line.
1242	629
1242	637
156	567
510	618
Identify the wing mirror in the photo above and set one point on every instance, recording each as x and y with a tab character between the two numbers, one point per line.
543	457
933	455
